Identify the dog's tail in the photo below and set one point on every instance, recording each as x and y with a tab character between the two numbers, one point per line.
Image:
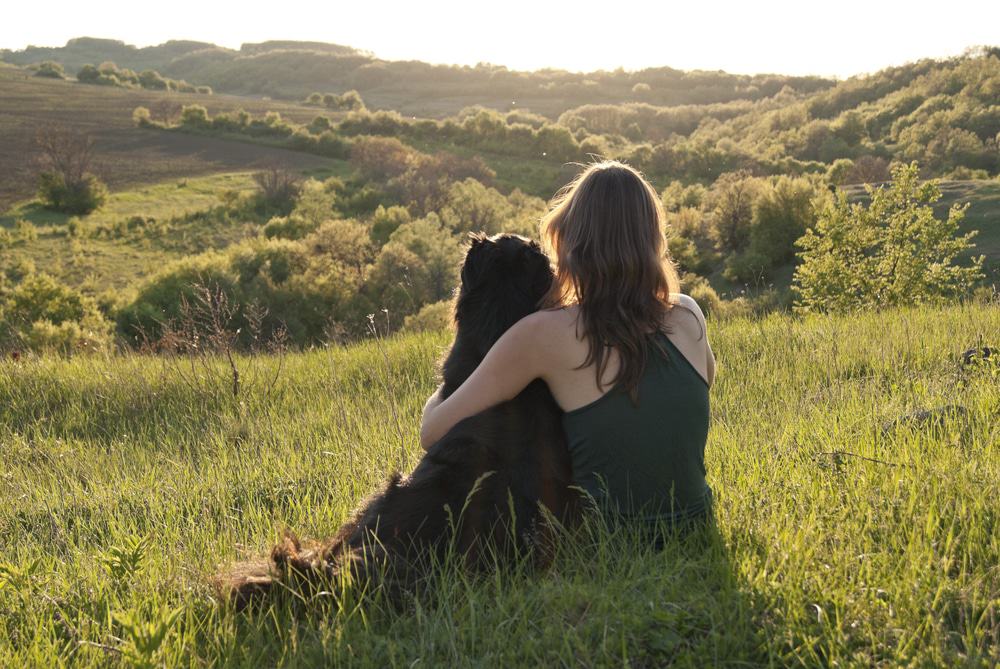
292	566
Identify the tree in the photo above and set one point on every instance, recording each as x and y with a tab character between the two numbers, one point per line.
731	199
277	189
473	207
65	183
892	252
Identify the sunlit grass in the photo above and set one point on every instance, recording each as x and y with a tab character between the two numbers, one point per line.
848	533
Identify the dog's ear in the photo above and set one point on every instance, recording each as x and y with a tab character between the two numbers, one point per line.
477	238
477	259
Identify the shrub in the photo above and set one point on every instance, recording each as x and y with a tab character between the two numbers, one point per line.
380	158
194	116
41	314
79	198
433	317
25	230
385	221
703	293
894	251
288	227
141	117
473	207
731	201
51	70
277	189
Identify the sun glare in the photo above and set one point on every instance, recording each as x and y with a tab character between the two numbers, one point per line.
780	36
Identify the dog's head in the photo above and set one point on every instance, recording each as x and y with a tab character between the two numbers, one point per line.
504	278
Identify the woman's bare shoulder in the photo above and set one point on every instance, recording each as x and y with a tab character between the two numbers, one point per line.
685	317
553	329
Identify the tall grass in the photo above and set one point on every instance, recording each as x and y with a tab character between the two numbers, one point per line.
851	529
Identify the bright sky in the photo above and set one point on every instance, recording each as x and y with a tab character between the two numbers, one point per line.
836	37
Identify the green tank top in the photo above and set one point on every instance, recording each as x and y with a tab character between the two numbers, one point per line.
647	461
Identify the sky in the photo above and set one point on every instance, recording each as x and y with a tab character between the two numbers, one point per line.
839	38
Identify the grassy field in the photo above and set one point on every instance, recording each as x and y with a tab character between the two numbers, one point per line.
127	155
849	532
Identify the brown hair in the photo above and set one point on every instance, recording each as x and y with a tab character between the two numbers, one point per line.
605	229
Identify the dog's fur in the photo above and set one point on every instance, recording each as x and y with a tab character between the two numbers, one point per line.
481	489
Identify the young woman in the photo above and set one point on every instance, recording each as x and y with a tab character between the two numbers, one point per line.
625	355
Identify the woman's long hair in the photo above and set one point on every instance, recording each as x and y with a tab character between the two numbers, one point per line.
605	230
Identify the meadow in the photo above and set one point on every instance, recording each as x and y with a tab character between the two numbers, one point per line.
852	530
128	155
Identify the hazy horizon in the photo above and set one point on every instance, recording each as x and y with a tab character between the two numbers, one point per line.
777	37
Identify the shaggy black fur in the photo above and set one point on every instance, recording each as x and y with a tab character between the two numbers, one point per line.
515	454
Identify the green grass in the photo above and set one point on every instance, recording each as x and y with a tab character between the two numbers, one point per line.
839	541
98	264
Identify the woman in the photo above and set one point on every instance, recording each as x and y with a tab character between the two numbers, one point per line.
625	355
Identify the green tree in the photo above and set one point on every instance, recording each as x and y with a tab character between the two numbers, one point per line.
892	252
473	207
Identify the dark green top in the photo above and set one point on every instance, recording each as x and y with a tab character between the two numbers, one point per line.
646	461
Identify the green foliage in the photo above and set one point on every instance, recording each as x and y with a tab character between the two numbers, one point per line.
349	101
40	314
80	197
50	70
690	239
418	265
434	317
894	251
782	212
144	635
385	221
473	207
122	563
194	116
141	117
109	74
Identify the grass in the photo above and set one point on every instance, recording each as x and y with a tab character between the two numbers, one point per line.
128	156
842	537
99	264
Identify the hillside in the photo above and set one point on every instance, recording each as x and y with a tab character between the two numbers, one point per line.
293	70
849	532
127	155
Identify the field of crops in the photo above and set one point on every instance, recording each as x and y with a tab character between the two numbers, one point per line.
852	529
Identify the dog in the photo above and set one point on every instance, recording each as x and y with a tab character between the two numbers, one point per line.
488	491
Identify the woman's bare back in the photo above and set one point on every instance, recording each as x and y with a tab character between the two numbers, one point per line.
574	387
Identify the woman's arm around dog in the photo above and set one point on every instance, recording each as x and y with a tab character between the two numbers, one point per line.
519	357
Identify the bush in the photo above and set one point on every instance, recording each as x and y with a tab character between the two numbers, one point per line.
79	199
385	221
433	317
194	116
703	293
25	230
894	251
277	189
41	314
51	70
141	117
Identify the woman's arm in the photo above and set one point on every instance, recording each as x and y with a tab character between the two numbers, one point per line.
513	362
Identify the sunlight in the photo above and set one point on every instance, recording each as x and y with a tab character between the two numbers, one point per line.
778	36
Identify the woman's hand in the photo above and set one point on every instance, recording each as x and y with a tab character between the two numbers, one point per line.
432	401
517	359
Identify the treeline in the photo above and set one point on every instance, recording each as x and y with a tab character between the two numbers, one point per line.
944	114
109	74
293	70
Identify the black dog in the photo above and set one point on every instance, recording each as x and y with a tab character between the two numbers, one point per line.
480	489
